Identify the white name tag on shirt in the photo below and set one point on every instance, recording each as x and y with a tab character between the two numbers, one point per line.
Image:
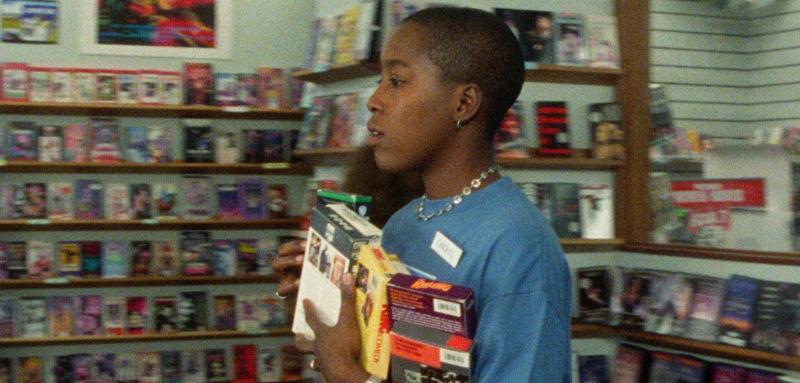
446	249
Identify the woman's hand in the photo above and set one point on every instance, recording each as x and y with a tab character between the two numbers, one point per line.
288	265
337	348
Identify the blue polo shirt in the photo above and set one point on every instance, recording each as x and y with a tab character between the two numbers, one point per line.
514	263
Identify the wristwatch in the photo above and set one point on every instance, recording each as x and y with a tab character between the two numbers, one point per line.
373	379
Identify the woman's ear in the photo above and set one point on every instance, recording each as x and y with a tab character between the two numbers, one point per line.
468	102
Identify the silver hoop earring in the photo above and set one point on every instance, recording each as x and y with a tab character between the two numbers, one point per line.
458	124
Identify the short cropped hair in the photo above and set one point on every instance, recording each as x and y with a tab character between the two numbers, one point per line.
475	46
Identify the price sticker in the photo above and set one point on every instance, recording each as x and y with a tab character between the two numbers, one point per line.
150	221
236	109
275	165
460	359
38	221
3	162
56	281
446	307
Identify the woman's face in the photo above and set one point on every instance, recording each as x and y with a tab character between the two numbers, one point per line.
411	108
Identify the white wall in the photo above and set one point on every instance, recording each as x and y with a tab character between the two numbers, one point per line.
727	72
699	53
775	43
265	33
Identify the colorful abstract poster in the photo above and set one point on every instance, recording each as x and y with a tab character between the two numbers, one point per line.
170	28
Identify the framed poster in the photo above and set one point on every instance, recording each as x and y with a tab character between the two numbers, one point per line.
199	29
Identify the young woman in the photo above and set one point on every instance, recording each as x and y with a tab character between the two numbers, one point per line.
448	77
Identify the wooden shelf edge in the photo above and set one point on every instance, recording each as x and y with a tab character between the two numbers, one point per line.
338	72
340	156
543	73
144	110
573	75
18	284
323	152
732	255
280	168
586	330
148	337
570	163
589	330
595	245
210	224
678	166
325	157
579	331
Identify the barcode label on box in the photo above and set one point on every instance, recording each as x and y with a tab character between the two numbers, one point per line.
447	308
456	358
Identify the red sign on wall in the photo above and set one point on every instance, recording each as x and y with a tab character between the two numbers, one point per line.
717	194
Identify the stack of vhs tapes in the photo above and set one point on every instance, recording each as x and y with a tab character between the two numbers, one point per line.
432	330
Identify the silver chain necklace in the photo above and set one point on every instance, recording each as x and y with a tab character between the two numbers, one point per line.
474	184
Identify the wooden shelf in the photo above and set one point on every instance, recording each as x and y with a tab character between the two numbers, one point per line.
276	168
689	167
733	255
566	163
325	157
338	72
588	331
579	330
158	111
573	75
148	337
17	284
583	330
543	73
340	156
591	245
174	224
